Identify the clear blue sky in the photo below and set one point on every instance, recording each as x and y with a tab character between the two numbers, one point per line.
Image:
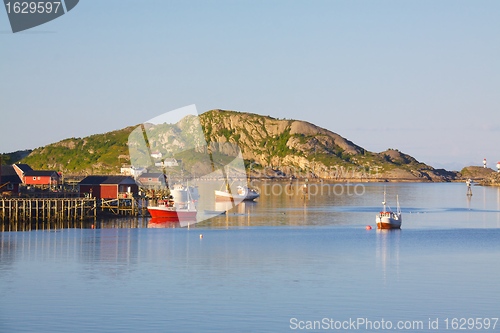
419	76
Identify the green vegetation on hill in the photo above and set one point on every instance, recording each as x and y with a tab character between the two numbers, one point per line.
476	172
100	153
14	157
277	145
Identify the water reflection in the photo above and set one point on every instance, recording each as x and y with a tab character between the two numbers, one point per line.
469	200
120	222
498	206
165	222
8	226
113	251
387	253
424	205
7	251
106	280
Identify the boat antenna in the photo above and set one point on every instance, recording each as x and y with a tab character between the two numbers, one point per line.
398	208
383	202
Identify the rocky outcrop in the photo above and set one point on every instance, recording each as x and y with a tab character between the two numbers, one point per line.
476	173
493	179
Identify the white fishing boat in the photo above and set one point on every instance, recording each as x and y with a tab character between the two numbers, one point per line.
387	219
182	192
242	193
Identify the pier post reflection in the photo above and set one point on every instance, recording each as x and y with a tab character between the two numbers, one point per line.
10	226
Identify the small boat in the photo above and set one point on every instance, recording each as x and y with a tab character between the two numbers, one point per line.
168	209
243	193
387	219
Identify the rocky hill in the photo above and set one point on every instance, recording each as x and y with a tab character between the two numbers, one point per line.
271	148
285	147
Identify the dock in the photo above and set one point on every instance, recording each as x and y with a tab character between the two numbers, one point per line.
21	214
124	206
47	209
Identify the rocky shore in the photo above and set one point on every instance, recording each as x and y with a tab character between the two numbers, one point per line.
492	180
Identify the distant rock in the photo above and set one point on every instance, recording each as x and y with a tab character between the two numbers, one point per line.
476	173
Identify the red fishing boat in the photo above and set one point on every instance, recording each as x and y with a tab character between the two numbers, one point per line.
167	209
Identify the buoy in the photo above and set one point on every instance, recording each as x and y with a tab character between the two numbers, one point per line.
368	227
201	236
92	226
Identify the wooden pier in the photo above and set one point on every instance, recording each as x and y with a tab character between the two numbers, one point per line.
47	209
124	206
23	214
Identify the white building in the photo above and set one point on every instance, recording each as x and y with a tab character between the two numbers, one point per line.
168	162
129	170
156	155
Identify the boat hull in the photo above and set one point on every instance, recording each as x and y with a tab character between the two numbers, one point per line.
172	214
225	196
381	225
385	222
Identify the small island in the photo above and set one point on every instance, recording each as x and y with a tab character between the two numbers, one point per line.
271	148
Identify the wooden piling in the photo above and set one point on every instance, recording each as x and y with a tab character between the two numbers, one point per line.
47	213
38	209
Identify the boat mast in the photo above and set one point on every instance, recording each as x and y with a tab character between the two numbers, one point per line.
188	194
398	208
383	202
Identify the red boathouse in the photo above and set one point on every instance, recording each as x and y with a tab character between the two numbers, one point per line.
108	187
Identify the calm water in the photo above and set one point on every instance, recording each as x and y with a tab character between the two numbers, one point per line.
278	265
